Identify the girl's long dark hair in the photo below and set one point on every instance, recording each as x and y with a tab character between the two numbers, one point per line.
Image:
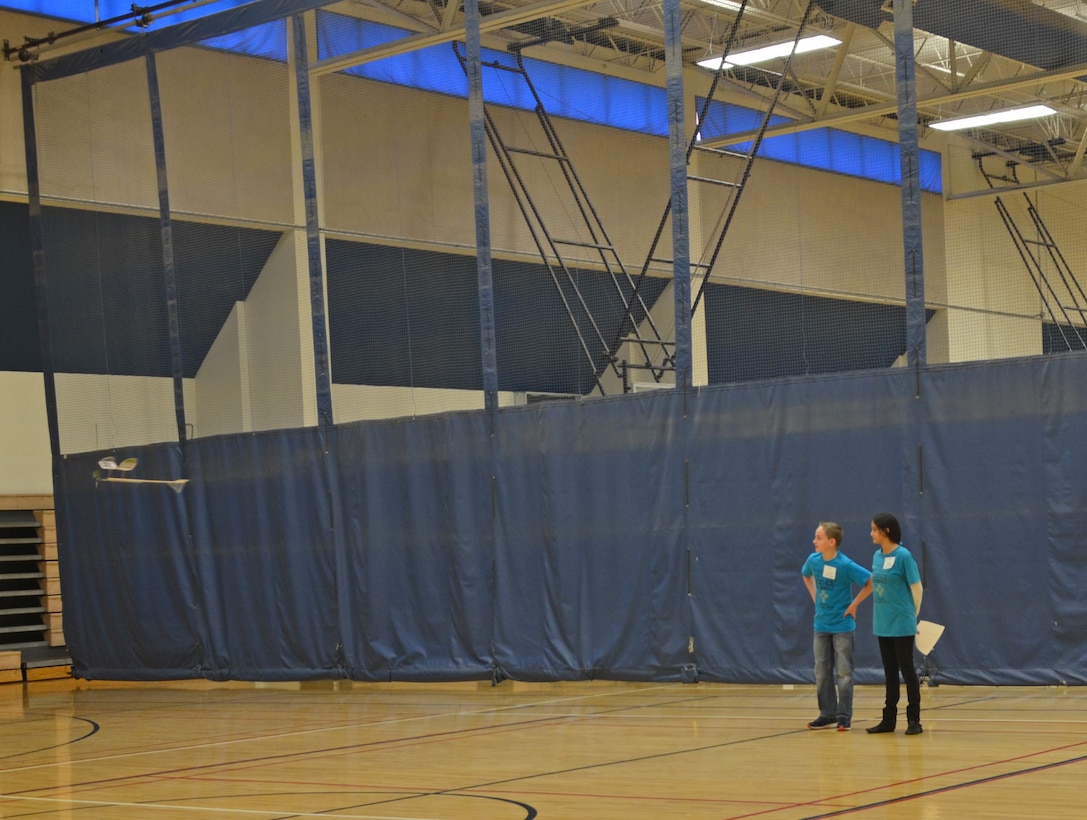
888	524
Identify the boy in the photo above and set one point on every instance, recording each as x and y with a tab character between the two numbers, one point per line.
829	576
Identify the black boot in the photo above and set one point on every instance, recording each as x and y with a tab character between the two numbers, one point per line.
887	724
913	719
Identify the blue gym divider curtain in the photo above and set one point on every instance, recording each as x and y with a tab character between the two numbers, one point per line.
636	538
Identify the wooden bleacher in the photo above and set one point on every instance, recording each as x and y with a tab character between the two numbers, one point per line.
32	645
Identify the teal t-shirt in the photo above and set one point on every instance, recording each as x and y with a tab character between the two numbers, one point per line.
893	573
834	580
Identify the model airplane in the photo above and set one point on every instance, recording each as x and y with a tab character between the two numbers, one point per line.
109	463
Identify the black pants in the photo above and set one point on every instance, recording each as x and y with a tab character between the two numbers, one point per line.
897	657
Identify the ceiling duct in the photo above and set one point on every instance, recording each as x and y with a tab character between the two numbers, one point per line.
1016	29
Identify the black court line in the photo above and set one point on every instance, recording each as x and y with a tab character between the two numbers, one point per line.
530	811
709	747
452	792
587	767
240	764
539	774
967	784
94	729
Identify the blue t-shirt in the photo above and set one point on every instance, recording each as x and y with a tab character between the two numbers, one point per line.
834	580
893	612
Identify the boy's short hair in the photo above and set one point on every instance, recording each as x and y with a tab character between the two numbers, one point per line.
832	530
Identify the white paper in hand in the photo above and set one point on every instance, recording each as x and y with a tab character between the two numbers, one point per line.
927	635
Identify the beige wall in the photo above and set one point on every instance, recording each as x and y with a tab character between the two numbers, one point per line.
222	383
995	308
811	231
94	138
12	152
104	412
280	340
228	136
397	163
359	402
25	467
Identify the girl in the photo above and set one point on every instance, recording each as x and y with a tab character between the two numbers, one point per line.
896	601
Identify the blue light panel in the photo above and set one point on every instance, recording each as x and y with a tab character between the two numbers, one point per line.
83	11
565	92
79	12
824	148
268	40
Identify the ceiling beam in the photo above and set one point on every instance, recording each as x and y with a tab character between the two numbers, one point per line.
887	109
827	91
492	22
450	14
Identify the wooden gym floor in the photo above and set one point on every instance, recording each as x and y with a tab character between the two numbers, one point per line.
596	750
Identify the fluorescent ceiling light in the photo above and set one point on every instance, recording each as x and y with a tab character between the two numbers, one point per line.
731	5
761	55
942	70
993	117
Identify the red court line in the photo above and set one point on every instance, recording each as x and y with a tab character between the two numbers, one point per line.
953	787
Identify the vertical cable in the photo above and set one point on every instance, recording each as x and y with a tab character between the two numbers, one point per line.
488	348
37	255
169	272
677	152
909	151
313	229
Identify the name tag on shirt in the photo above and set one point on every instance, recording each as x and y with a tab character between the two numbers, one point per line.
888	562
830	573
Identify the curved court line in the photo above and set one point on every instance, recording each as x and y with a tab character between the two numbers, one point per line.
244	763
76	804
589	766
954	787
94	728
530	811
736	742
239	764
462	790
340	727
337	728
601	765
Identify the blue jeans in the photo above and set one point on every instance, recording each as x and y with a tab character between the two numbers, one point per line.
834	674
